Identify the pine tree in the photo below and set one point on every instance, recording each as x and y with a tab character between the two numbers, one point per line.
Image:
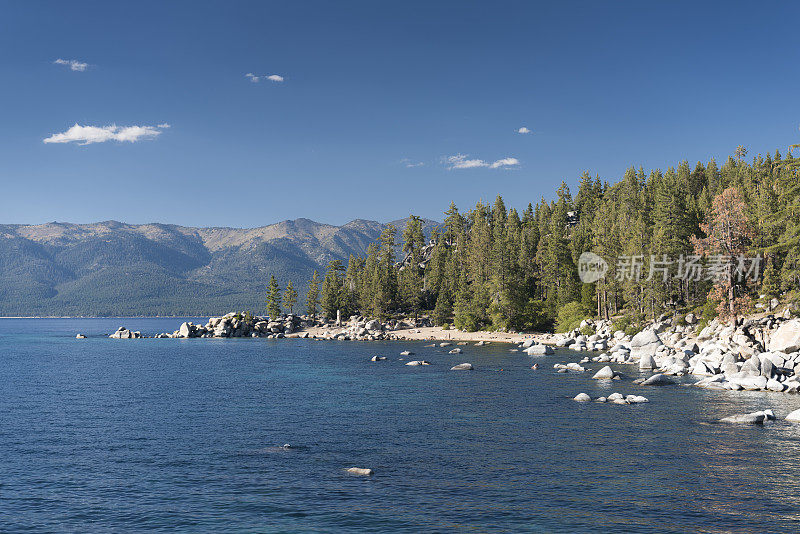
788	185
273	299
312	297
409	277
385	278
444	308
729	234
332	289
289	296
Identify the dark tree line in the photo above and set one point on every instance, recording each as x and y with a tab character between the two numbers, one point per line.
494	267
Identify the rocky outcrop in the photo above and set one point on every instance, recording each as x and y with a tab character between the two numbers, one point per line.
244	325
124	333
359	328
786	338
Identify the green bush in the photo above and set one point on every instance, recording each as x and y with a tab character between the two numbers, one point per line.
570	316
467	322
631	325
587	330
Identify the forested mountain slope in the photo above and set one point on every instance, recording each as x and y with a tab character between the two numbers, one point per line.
113	268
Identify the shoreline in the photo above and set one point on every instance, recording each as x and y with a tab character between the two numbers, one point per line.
437	333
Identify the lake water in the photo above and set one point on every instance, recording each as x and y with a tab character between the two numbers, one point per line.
101	435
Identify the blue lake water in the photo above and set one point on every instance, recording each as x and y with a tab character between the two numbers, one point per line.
101	435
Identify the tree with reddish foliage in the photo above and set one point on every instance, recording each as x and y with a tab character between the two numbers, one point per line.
728	235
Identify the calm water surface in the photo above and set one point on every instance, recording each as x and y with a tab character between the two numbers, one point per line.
101	435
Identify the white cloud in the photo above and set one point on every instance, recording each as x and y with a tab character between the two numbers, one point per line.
86	135
73	64
411	163
164	125
524	130
504	163
271	77
461	161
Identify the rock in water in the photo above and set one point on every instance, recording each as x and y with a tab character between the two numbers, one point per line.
582	397
606	373
455	351
755	418
657	380
378	358
360	471
462	367
80	336
406	353
794	417
418	362
647	362
539	350
185	330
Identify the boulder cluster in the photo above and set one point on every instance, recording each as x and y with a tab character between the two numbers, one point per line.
242	325
124	333
614	398
360	328
753	354
532	348
233	325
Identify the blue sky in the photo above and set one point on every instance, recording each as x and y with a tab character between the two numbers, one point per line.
379	106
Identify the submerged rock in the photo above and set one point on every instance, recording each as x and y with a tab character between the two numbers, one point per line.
755	418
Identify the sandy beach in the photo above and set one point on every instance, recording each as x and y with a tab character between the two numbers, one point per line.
437	333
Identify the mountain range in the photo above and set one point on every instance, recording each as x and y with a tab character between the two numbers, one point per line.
116	269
